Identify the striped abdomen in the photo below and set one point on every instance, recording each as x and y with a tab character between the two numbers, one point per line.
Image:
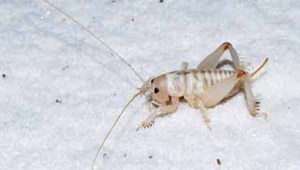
194	81
211	76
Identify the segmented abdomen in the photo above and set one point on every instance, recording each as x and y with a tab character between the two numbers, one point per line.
192	82
211	76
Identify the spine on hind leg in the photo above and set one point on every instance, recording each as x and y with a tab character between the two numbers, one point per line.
252	104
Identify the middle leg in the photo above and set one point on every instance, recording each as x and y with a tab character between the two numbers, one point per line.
196	103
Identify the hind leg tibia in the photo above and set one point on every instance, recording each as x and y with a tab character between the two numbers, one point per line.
212	60
252	103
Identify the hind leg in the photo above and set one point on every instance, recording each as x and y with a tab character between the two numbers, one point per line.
214	94
211	61
252	104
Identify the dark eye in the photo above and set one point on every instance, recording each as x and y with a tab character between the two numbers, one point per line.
152	81
156	90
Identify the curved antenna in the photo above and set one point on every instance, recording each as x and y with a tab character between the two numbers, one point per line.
112	127
97	38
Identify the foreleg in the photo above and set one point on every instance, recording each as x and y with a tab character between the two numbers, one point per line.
149	121
167	109
159	112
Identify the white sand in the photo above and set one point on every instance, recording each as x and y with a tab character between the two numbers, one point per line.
46	57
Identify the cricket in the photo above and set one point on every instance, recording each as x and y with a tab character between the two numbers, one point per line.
202	87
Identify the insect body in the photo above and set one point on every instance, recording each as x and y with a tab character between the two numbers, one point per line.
202	88
190	84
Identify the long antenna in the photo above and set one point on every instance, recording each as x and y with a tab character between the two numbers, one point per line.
97	38
112	127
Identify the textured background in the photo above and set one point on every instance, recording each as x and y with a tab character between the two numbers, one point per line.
62	90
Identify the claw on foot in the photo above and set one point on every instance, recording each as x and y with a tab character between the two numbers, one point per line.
208	127
207	121
145	125
265	115
256	108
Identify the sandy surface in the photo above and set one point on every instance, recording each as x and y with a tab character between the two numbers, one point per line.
61	90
